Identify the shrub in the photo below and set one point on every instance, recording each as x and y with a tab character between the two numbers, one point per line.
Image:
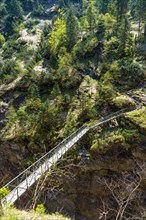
138	117
106	92
127	73
2	40
9	70
111	49
123	101
3	192
40	209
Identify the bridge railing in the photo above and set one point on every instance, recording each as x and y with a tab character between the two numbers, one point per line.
23	175
115	115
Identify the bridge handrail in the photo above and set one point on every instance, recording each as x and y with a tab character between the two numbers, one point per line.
46	155
116	115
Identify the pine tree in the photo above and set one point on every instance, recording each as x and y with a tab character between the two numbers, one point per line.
103	6
3	10
140	14
33	92
72	28
122	8
91	16
55	91
15	9
125	37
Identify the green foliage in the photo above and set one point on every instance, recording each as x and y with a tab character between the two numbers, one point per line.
33	92
124	35
91	15
65	61
72	29
15	46
9	71
34	122
123	101
55	91
122	8
111	49
105	26
86	45
138	117
57	37
11	117
106	92
94	39
2	40
15	9
3	192
131	72
11	213
119	138
71	122
38	10
126	73
40	209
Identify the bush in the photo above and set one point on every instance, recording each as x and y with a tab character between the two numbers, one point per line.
106	92
126	73
3	192
9	70
111	49
111	139
2	40
123	101
138	117
40	209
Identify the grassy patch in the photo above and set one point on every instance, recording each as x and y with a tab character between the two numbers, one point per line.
10	213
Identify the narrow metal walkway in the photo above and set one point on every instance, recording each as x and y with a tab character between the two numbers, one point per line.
28	177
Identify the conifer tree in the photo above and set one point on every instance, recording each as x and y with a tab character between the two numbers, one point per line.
15	9
103	6
33	92
125	37
91	16
122	8
72	28
140	14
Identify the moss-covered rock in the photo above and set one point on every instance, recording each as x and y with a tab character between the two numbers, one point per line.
123	101
138	118
111	141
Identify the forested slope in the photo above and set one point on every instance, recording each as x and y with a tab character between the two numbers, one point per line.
67	63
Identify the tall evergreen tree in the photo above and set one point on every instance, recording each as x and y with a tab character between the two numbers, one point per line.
103	5
125	37
122	8
140	14
15	9
91	16
72	28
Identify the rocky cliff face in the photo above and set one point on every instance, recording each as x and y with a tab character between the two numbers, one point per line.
111	183
103	187
11	157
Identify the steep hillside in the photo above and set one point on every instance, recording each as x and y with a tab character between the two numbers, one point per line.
64	64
